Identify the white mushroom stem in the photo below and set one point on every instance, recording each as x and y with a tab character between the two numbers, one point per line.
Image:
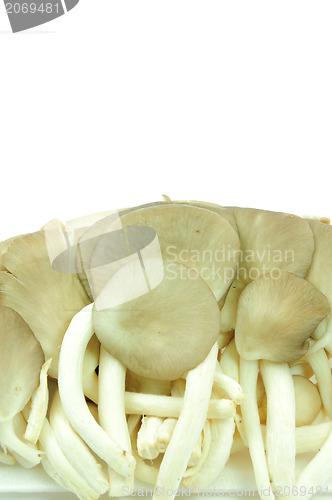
50	471
90	386
112	416
222	432
312	437
308	438
25	453
248	381
147	437
280	428
6	459
75	449
189	425
216	455
316	475
62	467
170	406
72	352
39	405
178	389
90	363
280	423
164	433
229	361
143	472
228	385
195	463
320	365
137	403
197	455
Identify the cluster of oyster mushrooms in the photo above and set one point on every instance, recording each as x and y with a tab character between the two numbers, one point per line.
155	342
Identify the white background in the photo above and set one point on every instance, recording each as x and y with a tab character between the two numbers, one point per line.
121	101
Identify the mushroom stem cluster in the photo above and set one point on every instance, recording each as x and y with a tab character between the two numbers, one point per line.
175	335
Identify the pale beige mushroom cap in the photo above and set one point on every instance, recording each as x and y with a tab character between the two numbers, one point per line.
193	236
46	299
226	212
21	359
276	315
196	234
320	271
269	241
165	332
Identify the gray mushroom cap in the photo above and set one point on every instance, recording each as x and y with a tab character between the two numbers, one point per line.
320	271
46	299
276	315
269	241
21	359
164	332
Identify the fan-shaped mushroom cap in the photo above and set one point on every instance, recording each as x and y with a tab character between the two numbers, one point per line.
269	241
276	314
165	332
195	237
226	212
4	247
212	250
320	271
46	299
21	359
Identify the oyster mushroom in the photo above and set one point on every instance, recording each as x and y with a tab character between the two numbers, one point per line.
226	212
276	314
269	241
46	299
21	359
319	274
162	333
193	236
